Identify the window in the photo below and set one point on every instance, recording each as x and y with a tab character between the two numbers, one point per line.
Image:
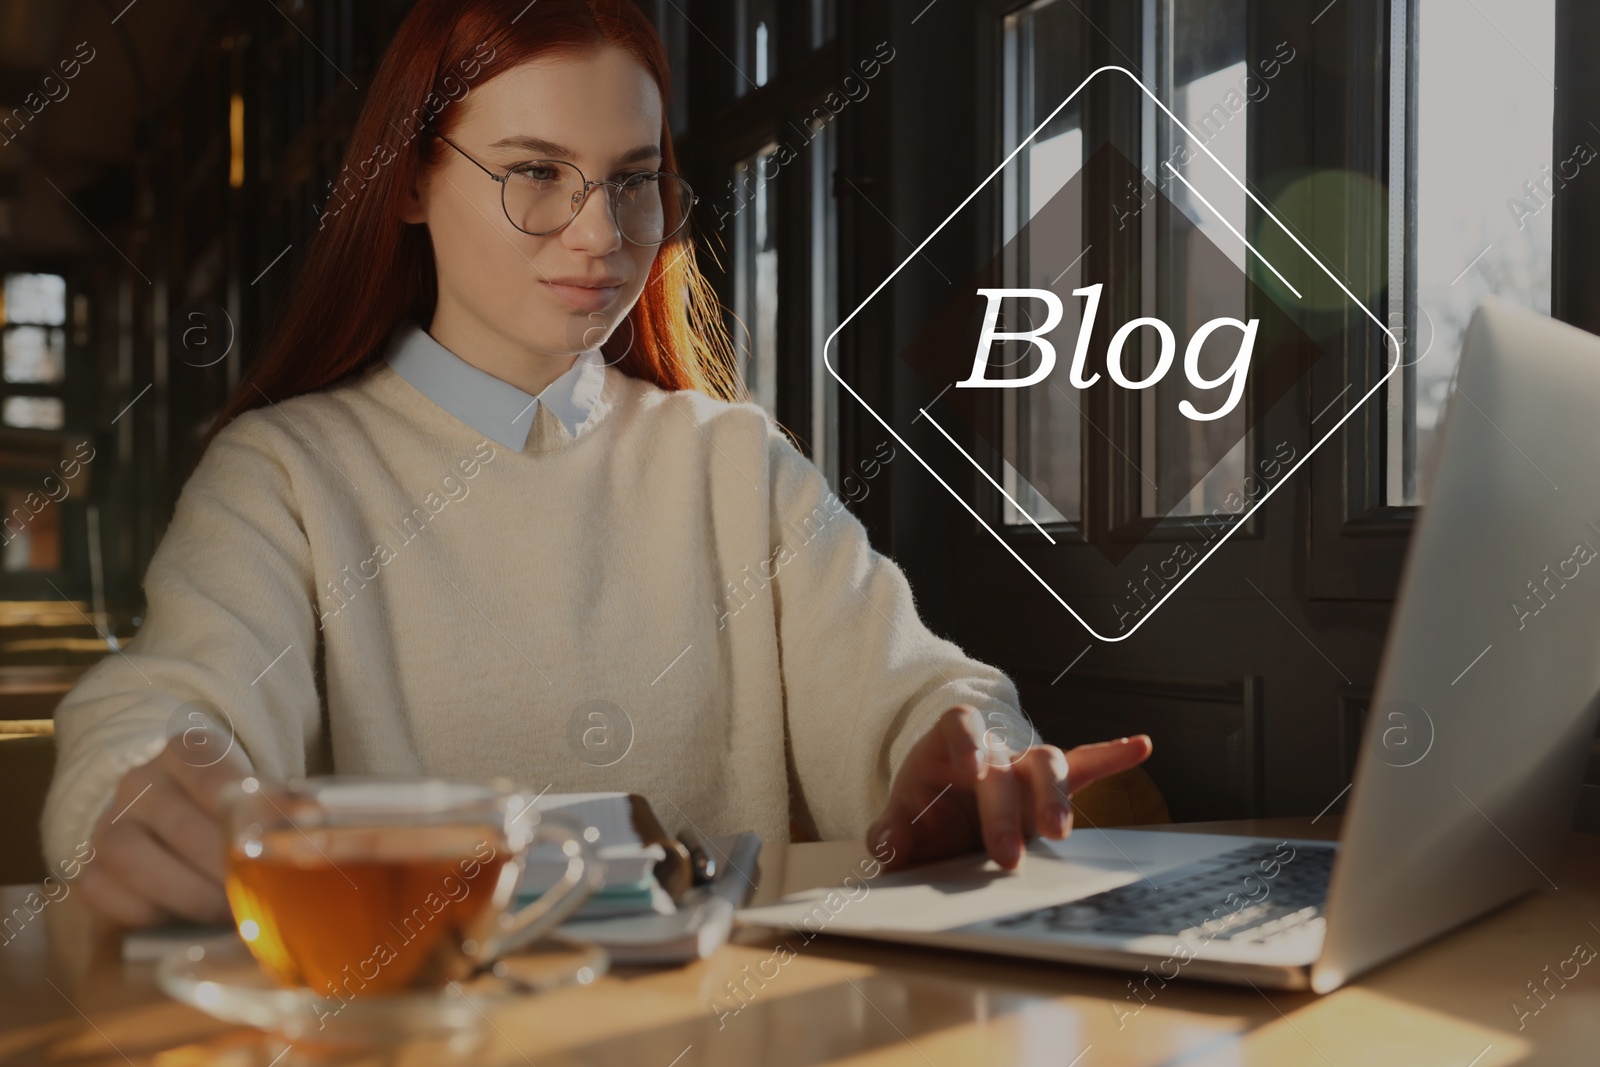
1195	56
824	298
31	533
1045	425
33	316
33	376
755	276
771	219
673	26
1485	175
821	14
757	25
1199	51
33	412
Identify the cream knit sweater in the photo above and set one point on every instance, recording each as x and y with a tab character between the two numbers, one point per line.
672	602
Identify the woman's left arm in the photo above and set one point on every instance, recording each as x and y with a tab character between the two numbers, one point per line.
893	730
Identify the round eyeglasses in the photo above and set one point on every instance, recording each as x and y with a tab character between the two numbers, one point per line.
542	196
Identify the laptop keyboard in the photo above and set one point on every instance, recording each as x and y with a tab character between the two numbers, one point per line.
1257	893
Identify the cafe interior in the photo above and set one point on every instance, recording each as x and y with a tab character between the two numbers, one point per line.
164	165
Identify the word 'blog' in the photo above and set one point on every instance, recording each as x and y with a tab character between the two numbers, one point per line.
1233	378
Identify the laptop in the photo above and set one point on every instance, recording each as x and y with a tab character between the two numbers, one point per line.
1475	743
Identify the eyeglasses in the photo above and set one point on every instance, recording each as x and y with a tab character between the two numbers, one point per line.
542	196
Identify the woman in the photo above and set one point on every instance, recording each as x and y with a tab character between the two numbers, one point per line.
491	496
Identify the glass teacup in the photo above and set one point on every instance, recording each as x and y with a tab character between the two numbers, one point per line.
356	886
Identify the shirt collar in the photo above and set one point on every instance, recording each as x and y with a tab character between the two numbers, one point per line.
495	408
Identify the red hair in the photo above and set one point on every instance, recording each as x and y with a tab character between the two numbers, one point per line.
342	309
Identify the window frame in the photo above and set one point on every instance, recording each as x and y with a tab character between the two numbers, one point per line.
77	395
723	127
1575	263
1115	508
1359	539
61	390
1308	665
1319	115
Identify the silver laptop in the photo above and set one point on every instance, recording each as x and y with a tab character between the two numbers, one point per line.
1475	742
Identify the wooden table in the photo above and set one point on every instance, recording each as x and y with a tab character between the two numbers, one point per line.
66	998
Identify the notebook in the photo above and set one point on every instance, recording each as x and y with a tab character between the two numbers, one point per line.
650	911
610	822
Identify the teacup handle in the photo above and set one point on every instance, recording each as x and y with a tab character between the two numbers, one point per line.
584	876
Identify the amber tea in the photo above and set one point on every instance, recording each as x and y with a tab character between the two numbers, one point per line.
356	910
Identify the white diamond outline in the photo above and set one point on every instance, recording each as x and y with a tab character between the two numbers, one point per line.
1394	365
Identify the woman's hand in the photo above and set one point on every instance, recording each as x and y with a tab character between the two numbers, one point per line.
960	789
159	850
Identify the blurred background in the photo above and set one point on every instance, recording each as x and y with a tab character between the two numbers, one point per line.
162	163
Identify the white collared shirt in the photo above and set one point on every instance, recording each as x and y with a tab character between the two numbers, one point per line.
497	409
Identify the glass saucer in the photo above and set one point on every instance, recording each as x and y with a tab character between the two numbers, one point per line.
222	979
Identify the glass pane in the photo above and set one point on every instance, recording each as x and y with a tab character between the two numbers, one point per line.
1485	178
31	530
755	266
1046	424
673	27
40	299
822	22
33	412
1210	93
35	354
824	301
757	24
